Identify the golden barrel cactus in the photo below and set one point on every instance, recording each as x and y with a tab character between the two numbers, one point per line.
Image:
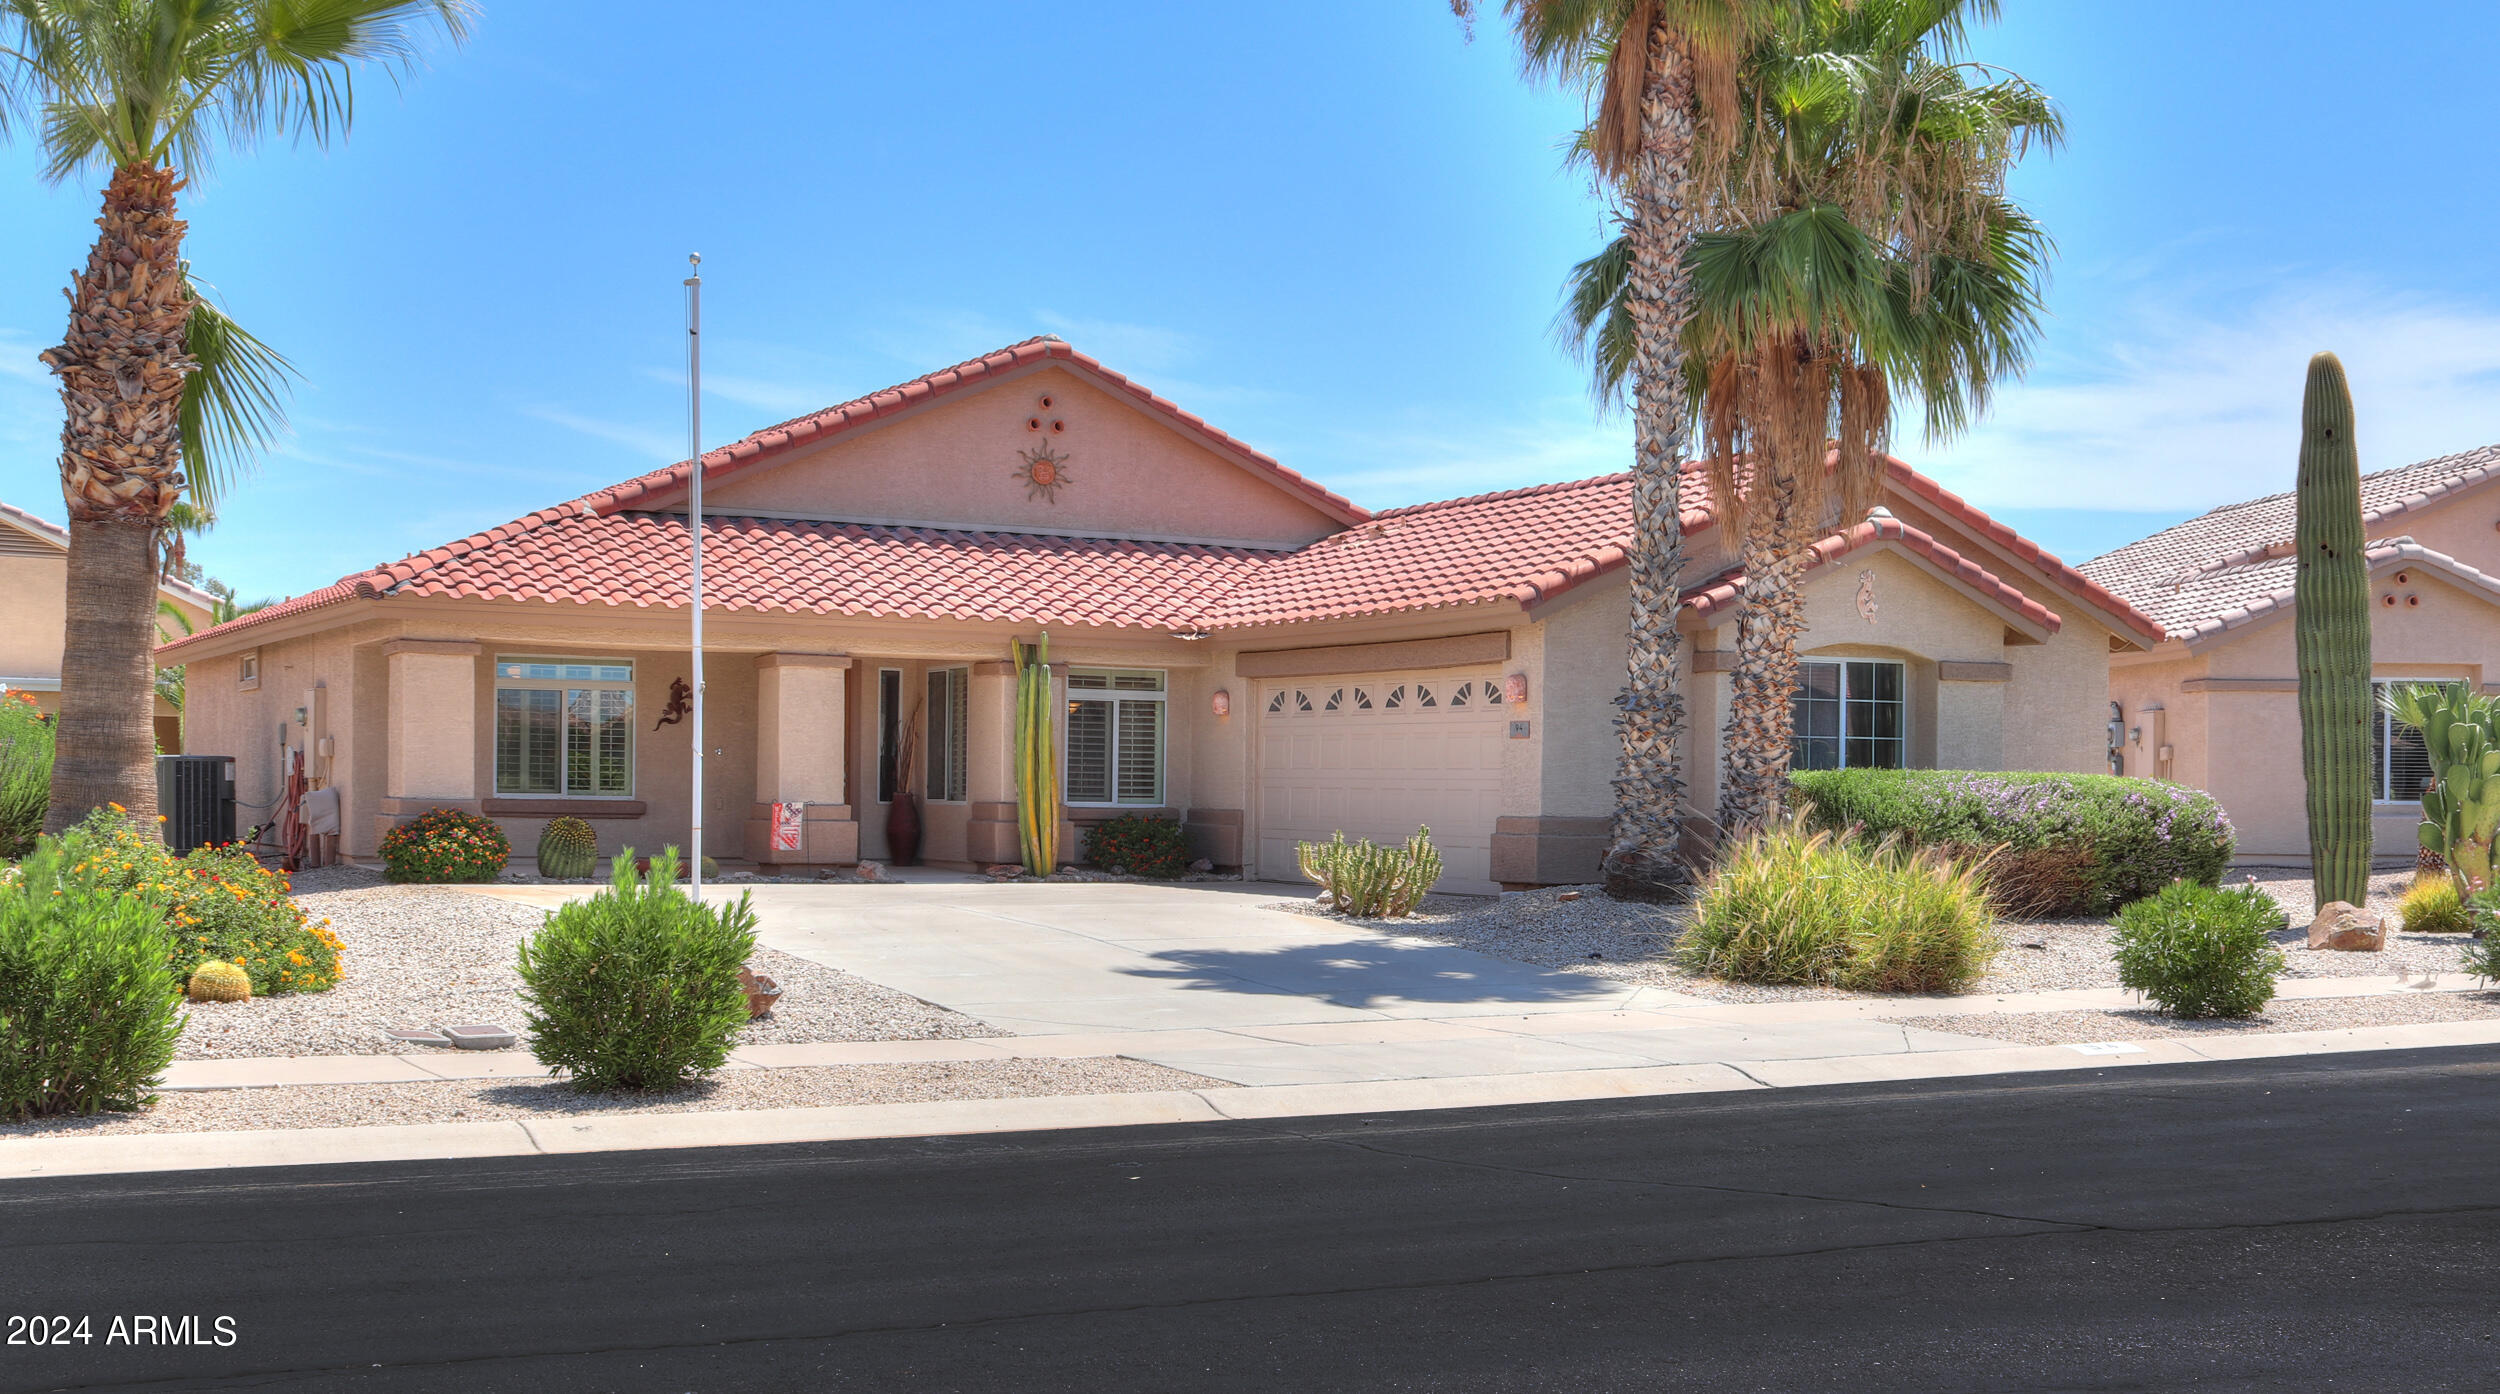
219	981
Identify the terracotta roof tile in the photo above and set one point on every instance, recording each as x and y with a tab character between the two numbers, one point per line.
2224	568
1721	592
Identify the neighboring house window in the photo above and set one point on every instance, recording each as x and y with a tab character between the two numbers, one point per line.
1848	714
2400	766
950	733
889	732
564	726
251	670
1115	736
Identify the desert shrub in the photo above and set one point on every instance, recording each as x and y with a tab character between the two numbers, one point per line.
1142	843
25	772
1805	905
1369	881
445	844
217	903
88	1014
2434	906
2194	951
637	987
2056	844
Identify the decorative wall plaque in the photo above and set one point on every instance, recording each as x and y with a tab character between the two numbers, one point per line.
1866	596
1044	472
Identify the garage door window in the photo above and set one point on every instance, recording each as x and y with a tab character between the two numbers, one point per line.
1115	736
1848	715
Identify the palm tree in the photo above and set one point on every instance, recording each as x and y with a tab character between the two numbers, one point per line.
1862	248
161	393
1665	108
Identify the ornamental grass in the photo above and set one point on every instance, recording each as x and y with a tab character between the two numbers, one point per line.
1813	907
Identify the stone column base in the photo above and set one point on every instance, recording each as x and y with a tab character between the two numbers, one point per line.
991	839
1214	836
1549	851
829	836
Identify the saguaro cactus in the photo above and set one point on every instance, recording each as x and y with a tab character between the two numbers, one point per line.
1037	761
2331	635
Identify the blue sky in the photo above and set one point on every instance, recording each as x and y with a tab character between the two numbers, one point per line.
1335	229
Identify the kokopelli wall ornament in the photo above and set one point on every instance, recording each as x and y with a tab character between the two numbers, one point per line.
1866	596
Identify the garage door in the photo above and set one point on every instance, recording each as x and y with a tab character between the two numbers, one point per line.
1376	756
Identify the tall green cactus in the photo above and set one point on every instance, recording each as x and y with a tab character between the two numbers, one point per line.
1037	761
2331	636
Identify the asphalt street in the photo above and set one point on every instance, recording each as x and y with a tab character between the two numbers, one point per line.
2321	1223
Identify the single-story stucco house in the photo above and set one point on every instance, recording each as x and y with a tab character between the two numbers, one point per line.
34	610
1237	646
2216	703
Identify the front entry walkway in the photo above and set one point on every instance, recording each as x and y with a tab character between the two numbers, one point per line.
1205	978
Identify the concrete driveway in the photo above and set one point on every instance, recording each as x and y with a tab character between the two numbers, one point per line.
1206	977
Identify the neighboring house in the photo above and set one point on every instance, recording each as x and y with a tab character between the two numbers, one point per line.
2216	703
34	598
1237	647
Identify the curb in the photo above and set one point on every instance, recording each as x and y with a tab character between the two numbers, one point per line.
144	1152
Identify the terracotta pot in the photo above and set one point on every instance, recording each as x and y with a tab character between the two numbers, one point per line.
902	830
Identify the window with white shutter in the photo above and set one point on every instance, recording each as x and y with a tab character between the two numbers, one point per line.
949	734
1114	739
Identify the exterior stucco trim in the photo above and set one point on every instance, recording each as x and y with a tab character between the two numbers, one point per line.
1454	651
1969	670
559	808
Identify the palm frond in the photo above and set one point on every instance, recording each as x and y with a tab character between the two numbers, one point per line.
233	404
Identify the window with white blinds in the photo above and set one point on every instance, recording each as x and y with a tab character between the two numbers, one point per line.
564	726
2400	765
950	733
1115	736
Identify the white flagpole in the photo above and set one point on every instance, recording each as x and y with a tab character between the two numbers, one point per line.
694	530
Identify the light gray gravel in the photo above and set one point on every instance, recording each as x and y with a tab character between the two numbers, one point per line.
2142	1023
428	956
1631	942
475	1101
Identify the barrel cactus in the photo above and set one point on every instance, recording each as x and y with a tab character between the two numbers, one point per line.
568	849
220	981
2331	638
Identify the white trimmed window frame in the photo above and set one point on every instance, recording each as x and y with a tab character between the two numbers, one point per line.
1155	704
506	680
2382	728
1901	684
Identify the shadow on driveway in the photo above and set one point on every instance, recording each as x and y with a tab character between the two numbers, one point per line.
1371	972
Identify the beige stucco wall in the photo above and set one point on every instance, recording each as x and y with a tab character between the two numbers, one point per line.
2232	707
956	463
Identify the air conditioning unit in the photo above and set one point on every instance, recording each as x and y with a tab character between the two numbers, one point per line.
196	795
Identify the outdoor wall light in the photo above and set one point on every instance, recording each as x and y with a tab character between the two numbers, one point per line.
1223	702
1515	688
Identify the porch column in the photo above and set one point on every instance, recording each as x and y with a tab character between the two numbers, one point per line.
990	783
800	735
431	725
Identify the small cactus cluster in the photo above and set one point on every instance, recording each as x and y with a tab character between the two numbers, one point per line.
2461	812
219	981
1371	882
568	850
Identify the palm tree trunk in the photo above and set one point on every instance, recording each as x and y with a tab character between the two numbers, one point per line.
121	370
1761	690
1645	861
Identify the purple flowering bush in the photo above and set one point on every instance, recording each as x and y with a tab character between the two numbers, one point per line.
2054	844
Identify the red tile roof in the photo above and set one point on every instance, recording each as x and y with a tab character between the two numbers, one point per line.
815	428
1519	546
2215	571
1721	592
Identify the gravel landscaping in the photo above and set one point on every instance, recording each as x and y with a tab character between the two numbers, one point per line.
479	1101
1592	933
2143	1023
426	956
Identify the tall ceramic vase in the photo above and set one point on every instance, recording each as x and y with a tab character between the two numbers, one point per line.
902	829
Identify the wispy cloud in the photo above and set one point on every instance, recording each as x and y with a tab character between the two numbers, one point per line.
2164	408
784	398
657	446
1449	458
17	357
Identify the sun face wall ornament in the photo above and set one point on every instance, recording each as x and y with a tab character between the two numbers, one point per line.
1045	470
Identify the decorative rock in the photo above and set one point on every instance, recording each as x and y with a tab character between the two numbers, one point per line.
1004	871
872	871
1202	864
762	992
1568	895
2344	926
